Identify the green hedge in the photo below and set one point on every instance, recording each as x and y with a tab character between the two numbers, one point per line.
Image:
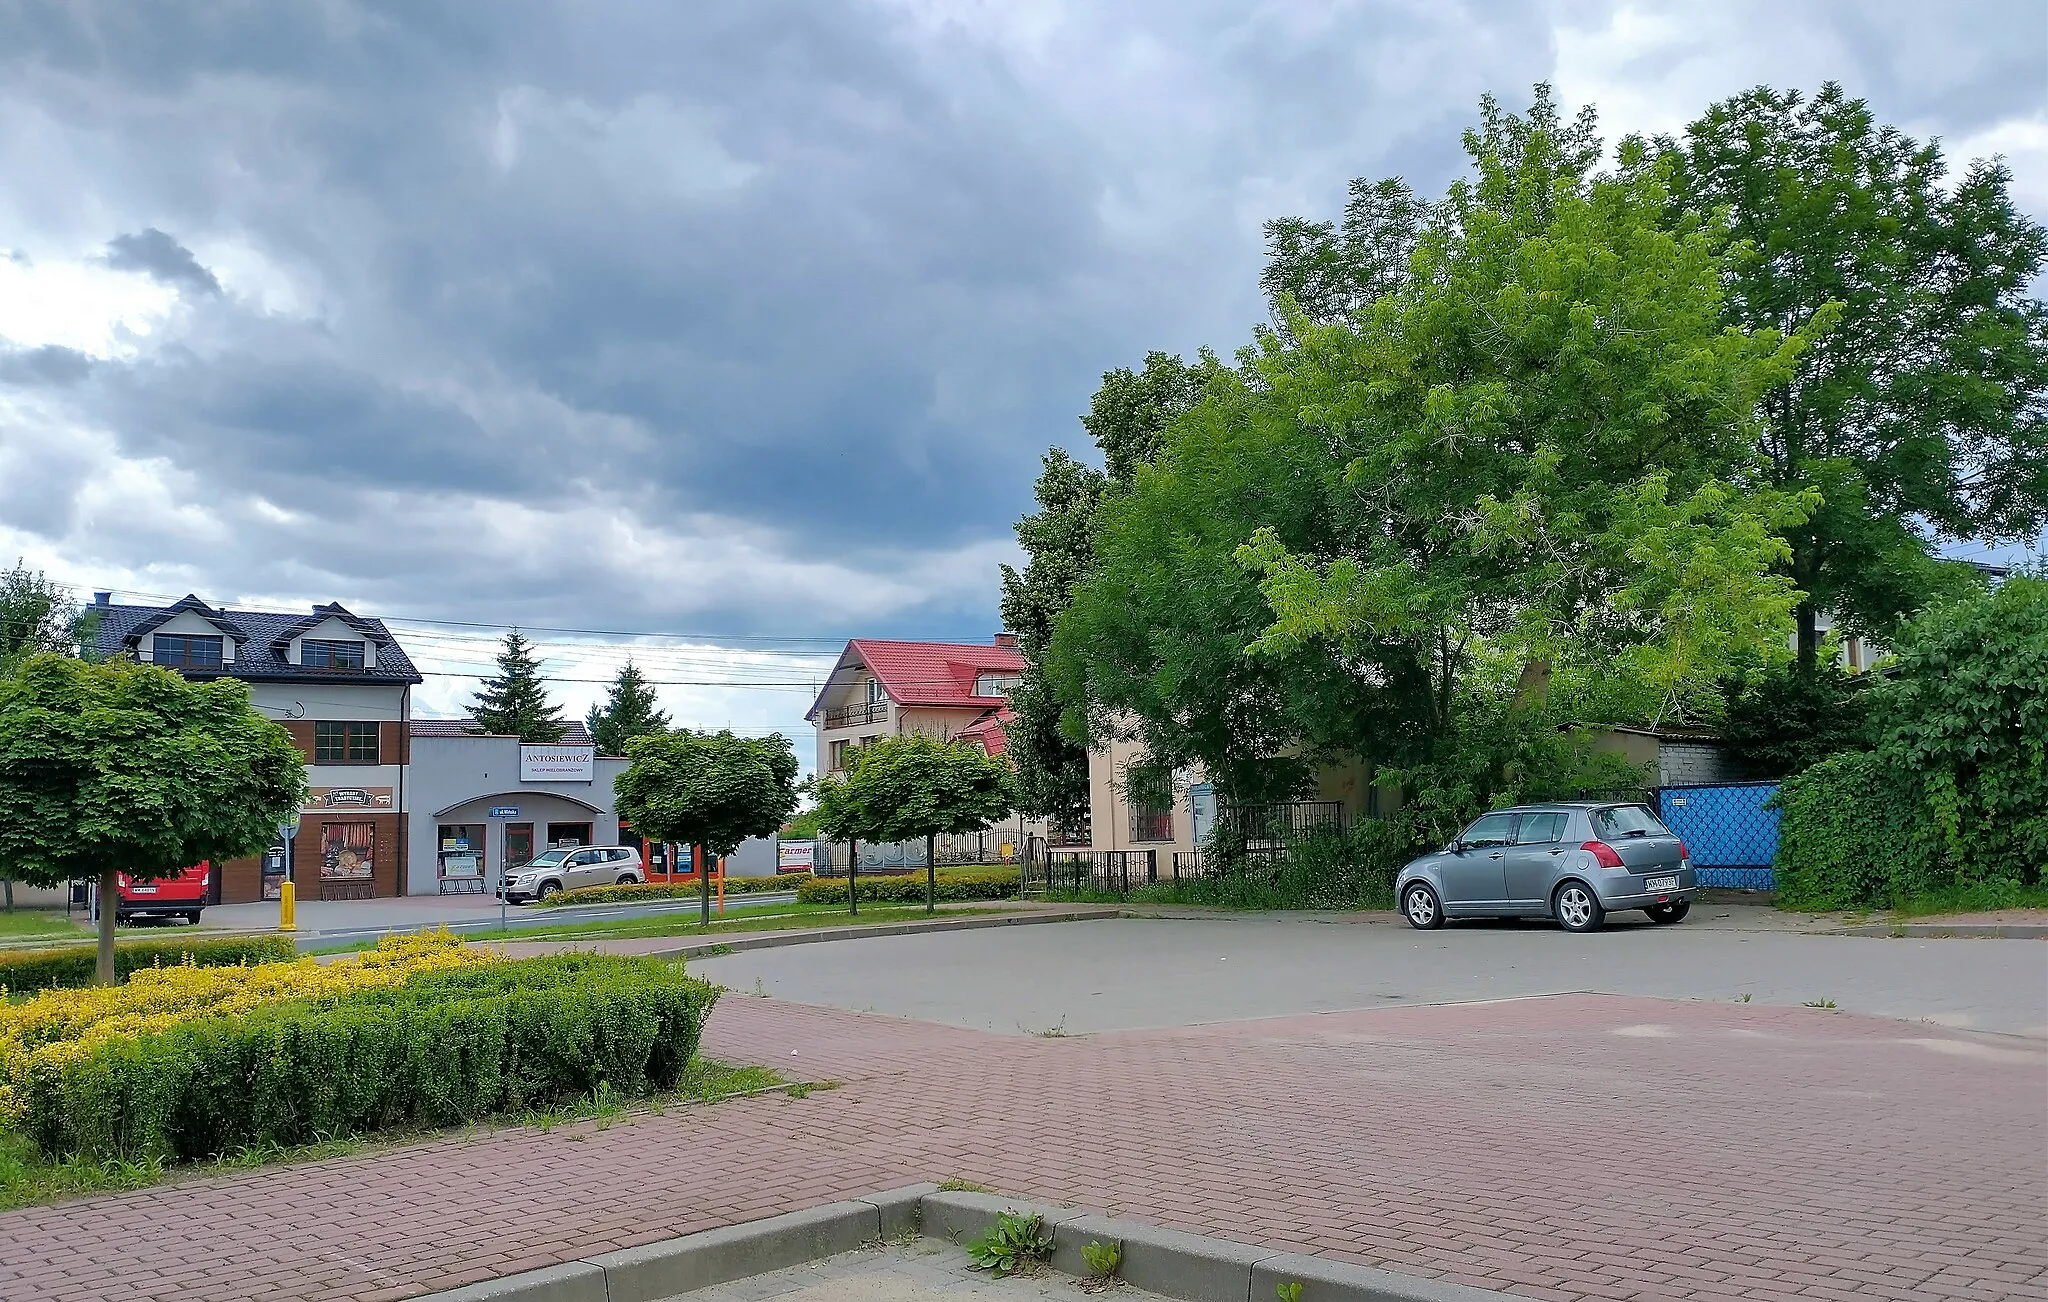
74	965
667	891
908	888
442	1049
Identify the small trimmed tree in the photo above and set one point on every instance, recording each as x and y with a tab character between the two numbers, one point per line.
919	786
121	767
707	789
515	702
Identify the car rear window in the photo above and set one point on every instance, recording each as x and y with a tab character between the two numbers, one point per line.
1621	821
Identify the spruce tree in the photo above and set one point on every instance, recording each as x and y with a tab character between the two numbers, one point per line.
628	711
515	703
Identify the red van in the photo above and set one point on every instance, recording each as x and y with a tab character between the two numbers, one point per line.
182	896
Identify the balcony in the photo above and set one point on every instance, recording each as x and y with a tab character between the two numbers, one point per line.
857	716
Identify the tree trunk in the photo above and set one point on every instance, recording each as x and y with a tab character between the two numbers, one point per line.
110	909
1809	636
852	870
703	882
931	873
9	881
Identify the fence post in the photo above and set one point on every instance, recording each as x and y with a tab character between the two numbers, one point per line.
1151	865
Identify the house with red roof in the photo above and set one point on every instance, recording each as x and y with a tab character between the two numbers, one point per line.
891	689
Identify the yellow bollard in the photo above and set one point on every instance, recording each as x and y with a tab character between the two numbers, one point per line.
287	908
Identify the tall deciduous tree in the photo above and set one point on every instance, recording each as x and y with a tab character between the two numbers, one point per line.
915	786
1920	416
708	789
121	767
1127	417
514	703
36	615
629	710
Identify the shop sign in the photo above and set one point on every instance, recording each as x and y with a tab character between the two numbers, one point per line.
794	856
369	799
504	811
557	763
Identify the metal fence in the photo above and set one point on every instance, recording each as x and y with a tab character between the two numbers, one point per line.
1086	872
1730	836
1275	824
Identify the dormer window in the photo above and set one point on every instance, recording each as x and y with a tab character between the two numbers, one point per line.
315	654
994	684
875	693
185	651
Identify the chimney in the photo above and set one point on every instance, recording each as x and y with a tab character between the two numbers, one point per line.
102	598
1007	640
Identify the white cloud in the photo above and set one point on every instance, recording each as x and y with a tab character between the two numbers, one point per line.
79	304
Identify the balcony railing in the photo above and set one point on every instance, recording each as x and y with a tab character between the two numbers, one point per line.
857	716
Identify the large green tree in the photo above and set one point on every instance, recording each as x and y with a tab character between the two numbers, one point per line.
630	709
1920	415
121	767
36	615
708	789
1532	455
514	702
918	787
1127	417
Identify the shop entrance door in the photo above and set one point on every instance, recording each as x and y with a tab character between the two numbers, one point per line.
518	845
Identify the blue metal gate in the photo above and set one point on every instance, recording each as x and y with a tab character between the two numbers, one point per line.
1727	831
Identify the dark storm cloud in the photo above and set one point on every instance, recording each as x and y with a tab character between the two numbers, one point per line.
158	255
828	277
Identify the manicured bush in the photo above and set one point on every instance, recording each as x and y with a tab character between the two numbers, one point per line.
689	890
908	888
72	965
444	1047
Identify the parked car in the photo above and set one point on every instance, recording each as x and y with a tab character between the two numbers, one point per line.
183	896
565	870
1574	861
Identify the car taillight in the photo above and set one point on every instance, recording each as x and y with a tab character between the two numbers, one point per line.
1603	854
1683	853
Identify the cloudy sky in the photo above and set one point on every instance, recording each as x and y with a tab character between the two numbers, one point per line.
746	319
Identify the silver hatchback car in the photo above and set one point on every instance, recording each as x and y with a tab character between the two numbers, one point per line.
1575	861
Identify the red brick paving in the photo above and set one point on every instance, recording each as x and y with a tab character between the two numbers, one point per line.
1574	1147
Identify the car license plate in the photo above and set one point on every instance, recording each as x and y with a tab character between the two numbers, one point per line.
142	890
1661	884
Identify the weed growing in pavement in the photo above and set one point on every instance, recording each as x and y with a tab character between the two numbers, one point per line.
1820	1003
802	1089
1290	1291
1103	1258
1018	1243
1057	1031
963	1186
1742	998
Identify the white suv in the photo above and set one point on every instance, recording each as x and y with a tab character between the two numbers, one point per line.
565	870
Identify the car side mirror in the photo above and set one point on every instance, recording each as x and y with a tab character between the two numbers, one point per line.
1459	845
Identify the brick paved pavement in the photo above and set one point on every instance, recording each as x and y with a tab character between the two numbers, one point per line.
1569	1147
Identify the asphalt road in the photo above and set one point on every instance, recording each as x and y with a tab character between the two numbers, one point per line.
1143	972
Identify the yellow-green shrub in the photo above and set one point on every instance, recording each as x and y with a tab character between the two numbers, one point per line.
73	965
446	1045
689	890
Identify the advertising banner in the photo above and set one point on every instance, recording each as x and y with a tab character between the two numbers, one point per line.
795	856
557	763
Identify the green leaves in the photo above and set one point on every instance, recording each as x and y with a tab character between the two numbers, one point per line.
709	789
907	788
1015	1242
134	765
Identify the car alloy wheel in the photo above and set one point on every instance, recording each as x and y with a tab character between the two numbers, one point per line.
1577	908
1420	905
546	889
628	879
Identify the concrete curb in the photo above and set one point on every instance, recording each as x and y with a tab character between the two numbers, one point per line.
1171	1263
1948	931
741	941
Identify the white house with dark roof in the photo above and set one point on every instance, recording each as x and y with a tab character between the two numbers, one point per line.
342	687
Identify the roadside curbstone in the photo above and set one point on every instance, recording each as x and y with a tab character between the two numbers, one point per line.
739	942
1323	1280
959	1217
661	1270
1171	1263
900	1210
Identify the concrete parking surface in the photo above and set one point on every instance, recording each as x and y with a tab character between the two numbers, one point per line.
1137	973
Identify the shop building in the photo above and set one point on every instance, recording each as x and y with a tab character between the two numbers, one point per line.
479	803
342	687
